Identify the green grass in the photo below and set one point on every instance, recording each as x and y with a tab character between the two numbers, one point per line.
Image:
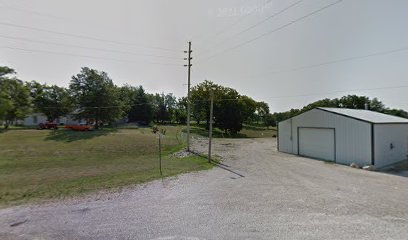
246	132
43	164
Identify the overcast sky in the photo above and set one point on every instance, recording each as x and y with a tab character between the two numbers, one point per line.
284	52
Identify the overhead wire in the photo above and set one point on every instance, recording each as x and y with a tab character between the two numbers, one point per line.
230	26
273	31
86	56
89	48
276	14
85	37
347	59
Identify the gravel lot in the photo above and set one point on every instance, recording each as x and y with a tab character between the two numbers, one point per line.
262	194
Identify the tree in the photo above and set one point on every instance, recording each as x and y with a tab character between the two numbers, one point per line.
14	98
170	101
269	120
353	102
262	110
396	112
138	105
230	108
248	108
52	101
349	101
200	96
96	97
160	112
376	105
180	114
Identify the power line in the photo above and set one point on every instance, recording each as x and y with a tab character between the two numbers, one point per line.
90	48
258	23
312	94
85	56
336	61
274	30
41	14
341	91
238	21
84	37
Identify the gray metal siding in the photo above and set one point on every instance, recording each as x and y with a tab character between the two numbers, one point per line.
353	137
285	138
384	136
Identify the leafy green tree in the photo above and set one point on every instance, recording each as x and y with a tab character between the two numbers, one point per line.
138	105
230	108
228	112
52	101
14	98
349	101
96	97
262	110
160	111
180	113
170	101
376	105
269	120
321	103
248	108
200	96
353	102
396	112
6	71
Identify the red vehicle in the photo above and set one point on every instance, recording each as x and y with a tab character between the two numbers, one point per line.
47	125
80	127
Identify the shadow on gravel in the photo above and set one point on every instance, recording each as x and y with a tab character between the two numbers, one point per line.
398	169
217	163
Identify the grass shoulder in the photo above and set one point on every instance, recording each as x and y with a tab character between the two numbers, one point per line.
38	165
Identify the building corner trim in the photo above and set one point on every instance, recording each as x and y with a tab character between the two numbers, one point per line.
372	145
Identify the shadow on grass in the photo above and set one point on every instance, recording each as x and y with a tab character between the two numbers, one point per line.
216	133
259	128
64	135
13	128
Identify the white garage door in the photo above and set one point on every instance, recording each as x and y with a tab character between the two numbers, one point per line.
317	143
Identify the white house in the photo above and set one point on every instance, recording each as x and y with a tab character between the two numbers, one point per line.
345	136
36	118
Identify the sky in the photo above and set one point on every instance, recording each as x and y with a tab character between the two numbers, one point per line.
287	53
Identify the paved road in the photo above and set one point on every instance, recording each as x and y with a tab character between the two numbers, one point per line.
280	197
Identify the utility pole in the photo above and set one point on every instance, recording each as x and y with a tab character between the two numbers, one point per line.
188	93
211	125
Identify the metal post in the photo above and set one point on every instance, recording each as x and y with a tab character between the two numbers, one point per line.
211	125
160	159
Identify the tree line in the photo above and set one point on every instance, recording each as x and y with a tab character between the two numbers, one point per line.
349	101
92	96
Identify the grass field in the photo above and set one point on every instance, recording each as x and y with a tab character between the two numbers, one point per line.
37	165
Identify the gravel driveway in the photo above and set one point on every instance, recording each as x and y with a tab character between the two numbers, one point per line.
262	194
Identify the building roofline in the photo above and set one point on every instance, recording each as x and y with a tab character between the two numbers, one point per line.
359	119
344	115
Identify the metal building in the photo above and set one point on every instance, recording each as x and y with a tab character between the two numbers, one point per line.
345	136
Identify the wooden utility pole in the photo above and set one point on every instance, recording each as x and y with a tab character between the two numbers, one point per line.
188	93
211	125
